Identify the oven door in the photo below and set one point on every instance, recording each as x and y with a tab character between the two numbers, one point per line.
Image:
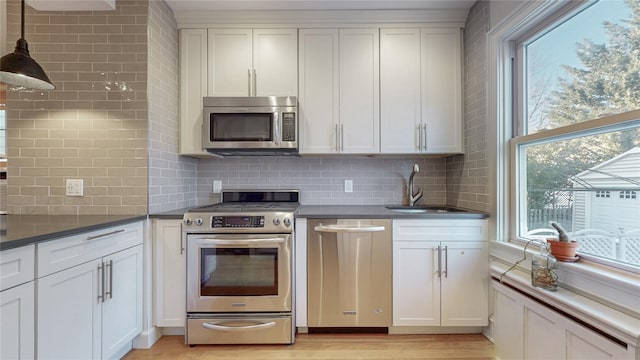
239	273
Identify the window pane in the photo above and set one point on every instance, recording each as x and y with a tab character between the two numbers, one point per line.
585	67
589	185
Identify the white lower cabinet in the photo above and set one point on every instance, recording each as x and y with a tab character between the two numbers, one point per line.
440	282
526	329
17	324
169	270
17	302
90	310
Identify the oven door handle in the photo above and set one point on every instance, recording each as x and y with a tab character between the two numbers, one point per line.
238	328
239	242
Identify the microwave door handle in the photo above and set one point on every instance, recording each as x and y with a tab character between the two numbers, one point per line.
276	127
245	242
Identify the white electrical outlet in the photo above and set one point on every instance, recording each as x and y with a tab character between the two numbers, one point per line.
348	186
217	186
75	187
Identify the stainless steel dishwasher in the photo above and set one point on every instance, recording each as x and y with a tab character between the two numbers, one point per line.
349	272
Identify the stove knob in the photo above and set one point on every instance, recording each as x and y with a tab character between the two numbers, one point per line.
276	221
199	221
187	221
287	222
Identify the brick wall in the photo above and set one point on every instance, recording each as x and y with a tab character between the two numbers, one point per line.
468	174
172	178
376	181
93	126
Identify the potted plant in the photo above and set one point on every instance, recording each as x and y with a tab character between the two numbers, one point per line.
563	248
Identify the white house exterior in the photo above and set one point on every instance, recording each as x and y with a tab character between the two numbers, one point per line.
611	200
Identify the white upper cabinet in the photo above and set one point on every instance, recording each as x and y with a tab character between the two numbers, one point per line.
193	87
230	62
442	89
252	62
359	91
339	91
421	91
318	101
400	90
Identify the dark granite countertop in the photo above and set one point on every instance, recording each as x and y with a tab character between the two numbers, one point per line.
21	230
379	211
352	211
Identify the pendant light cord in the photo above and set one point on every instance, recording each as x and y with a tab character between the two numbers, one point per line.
22	22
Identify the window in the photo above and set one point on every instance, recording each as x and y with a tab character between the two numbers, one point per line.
627	194
576	126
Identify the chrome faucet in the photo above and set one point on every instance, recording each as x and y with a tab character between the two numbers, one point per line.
413	197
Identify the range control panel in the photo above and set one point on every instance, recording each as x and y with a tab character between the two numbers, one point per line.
237	221
255	222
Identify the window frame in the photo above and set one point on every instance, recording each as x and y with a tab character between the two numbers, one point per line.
506	73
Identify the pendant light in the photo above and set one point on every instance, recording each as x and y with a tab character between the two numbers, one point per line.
20	69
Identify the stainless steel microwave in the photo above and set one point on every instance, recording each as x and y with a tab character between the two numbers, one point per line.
266	125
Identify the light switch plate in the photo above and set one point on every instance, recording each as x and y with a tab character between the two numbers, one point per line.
75	187
217	186
348	186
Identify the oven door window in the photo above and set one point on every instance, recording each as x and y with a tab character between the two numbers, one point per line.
241	127
239	271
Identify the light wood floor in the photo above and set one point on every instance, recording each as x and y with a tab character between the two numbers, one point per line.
330	346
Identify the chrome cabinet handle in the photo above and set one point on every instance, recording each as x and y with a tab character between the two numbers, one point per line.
424	127
109	266
238	328
341	137
446	261
419	136
255	83
101	273
182	245
337	133
249	82
439	261
103	235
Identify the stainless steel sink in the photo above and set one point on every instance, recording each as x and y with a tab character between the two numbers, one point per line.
423	209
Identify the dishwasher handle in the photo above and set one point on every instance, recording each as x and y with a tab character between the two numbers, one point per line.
347	228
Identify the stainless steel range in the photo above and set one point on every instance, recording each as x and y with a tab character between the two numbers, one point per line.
239	269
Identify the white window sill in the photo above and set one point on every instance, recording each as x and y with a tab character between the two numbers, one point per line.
603	297
621	325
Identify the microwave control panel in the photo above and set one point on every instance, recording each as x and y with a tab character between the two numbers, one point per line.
288	126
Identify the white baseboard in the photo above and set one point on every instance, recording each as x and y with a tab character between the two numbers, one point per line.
146	339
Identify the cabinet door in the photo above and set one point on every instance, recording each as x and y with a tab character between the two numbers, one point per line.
416	287
169	270
542	326
508	328
400	124
465	283
582	343
193	86
69	313
275	62
359	91
122	308
230	69
319	91
442	89
17	328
